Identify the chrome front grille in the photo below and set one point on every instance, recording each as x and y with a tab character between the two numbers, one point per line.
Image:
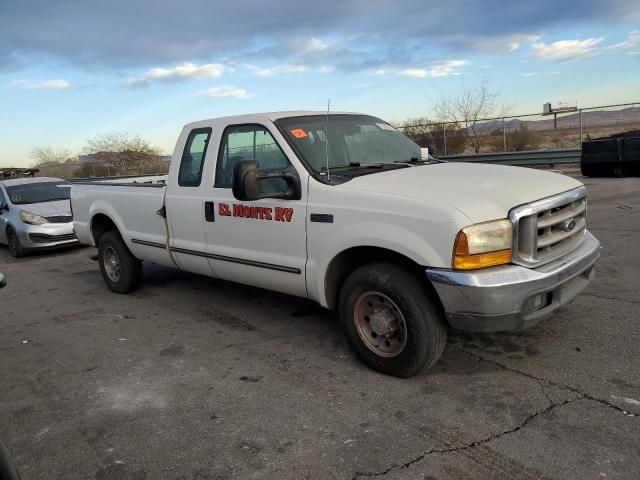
549	228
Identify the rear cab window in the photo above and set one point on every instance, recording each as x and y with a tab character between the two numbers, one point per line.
193	155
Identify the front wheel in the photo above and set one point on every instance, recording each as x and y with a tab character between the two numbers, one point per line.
392	322
15	247
120	270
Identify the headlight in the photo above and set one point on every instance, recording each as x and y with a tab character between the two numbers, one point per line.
32	218
483	245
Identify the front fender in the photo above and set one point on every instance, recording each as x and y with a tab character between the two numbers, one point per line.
430	246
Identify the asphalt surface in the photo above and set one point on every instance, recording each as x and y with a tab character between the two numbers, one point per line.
193	378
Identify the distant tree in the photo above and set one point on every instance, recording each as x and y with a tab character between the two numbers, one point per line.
428	134
50	155
124	152
522	139
467	109
517	140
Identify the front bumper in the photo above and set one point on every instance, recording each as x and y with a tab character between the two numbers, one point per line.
48	235
512	297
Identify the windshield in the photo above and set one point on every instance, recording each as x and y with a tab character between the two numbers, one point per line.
355	141
39	192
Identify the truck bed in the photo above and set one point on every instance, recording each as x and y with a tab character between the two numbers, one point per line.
133	204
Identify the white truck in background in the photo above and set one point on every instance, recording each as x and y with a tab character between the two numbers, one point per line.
342	209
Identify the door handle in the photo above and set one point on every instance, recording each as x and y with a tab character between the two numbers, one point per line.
209	213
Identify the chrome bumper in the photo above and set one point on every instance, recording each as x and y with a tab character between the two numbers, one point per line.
512	297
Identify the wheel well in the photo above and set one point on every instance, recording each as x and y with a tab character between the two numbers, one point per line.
353	258
101	224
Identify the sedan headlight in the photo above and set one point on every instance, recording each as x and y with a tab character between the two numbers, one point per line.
483	245
32	218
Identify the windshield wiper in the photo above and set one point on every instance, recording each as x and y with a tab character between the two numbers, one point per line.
415	160
354	165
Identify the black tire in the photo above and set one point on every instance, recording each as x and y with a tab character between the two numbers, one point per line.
8	470
15	248
128	267
425	330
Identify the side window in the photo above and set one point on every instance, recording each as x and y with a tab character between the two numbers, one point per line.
190	174
248	142
2	200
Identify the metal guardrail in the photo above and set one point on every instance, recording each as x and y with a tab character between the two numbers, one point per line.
530	157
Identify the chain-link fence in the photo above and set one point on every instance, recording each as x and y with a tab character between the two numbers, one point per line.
526	132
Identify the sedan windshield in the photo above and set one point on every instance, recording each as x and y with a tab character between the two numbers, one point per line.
39	192
354	142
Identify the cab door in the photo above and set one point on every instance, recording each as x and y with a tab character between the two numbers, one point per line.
260	243
184	203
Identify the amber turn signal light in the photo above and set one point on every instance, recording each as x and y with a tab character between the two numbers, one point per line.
471	253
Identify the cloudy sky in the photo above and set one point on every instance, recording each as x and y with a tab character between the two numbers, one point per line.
72	68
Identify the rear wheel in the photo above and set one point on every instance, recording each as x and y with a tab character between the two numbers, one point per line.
391	320
120	270
15	248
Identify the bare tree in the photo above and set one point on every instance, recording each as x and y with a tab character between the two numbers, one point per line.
466	110
50	155
125	153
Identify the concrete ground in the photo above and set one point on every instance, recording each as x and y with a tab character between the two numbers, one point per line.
193	378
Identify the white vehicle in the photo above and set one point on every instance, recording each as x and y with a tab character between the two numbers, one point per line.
341	209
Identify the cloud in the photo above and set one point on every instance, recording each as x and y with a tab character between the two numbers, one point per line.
226	91
537	74
564	50
503	43
633	39
41	84
364	35
179	72
311	45
443	68
278	69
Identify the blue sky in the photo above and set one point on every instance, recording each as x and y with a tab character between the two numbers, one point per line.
72	69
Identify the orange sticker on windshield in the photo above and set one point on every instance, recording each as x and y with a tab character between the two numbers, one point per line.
299	133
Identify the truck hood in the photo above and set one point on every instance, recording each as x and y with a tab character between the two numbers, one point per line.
48	209
482	192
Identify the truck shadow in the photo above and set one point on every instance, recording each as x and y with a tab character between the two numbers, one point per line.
515	345
254	310
6	257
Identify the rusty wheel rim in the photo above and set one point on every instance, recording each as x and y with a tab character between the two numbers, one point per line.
380	324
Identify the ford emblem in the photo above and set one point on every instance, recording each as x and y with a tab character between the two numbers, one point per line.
569	225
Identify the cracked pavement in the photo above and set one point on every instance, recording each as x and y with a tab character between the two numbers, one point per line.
192	378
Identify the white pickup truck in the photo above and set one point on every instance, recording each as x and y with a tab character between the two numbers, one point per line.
341	208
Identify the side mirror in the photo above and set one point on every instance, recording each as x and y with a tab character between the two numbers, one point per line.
3	281
246	182
4	208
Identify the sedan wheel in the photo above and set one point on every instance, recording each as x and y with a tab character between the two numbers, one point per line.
15	248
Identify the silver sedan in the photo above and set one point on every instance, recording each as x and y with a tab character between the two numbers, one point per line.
35	213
